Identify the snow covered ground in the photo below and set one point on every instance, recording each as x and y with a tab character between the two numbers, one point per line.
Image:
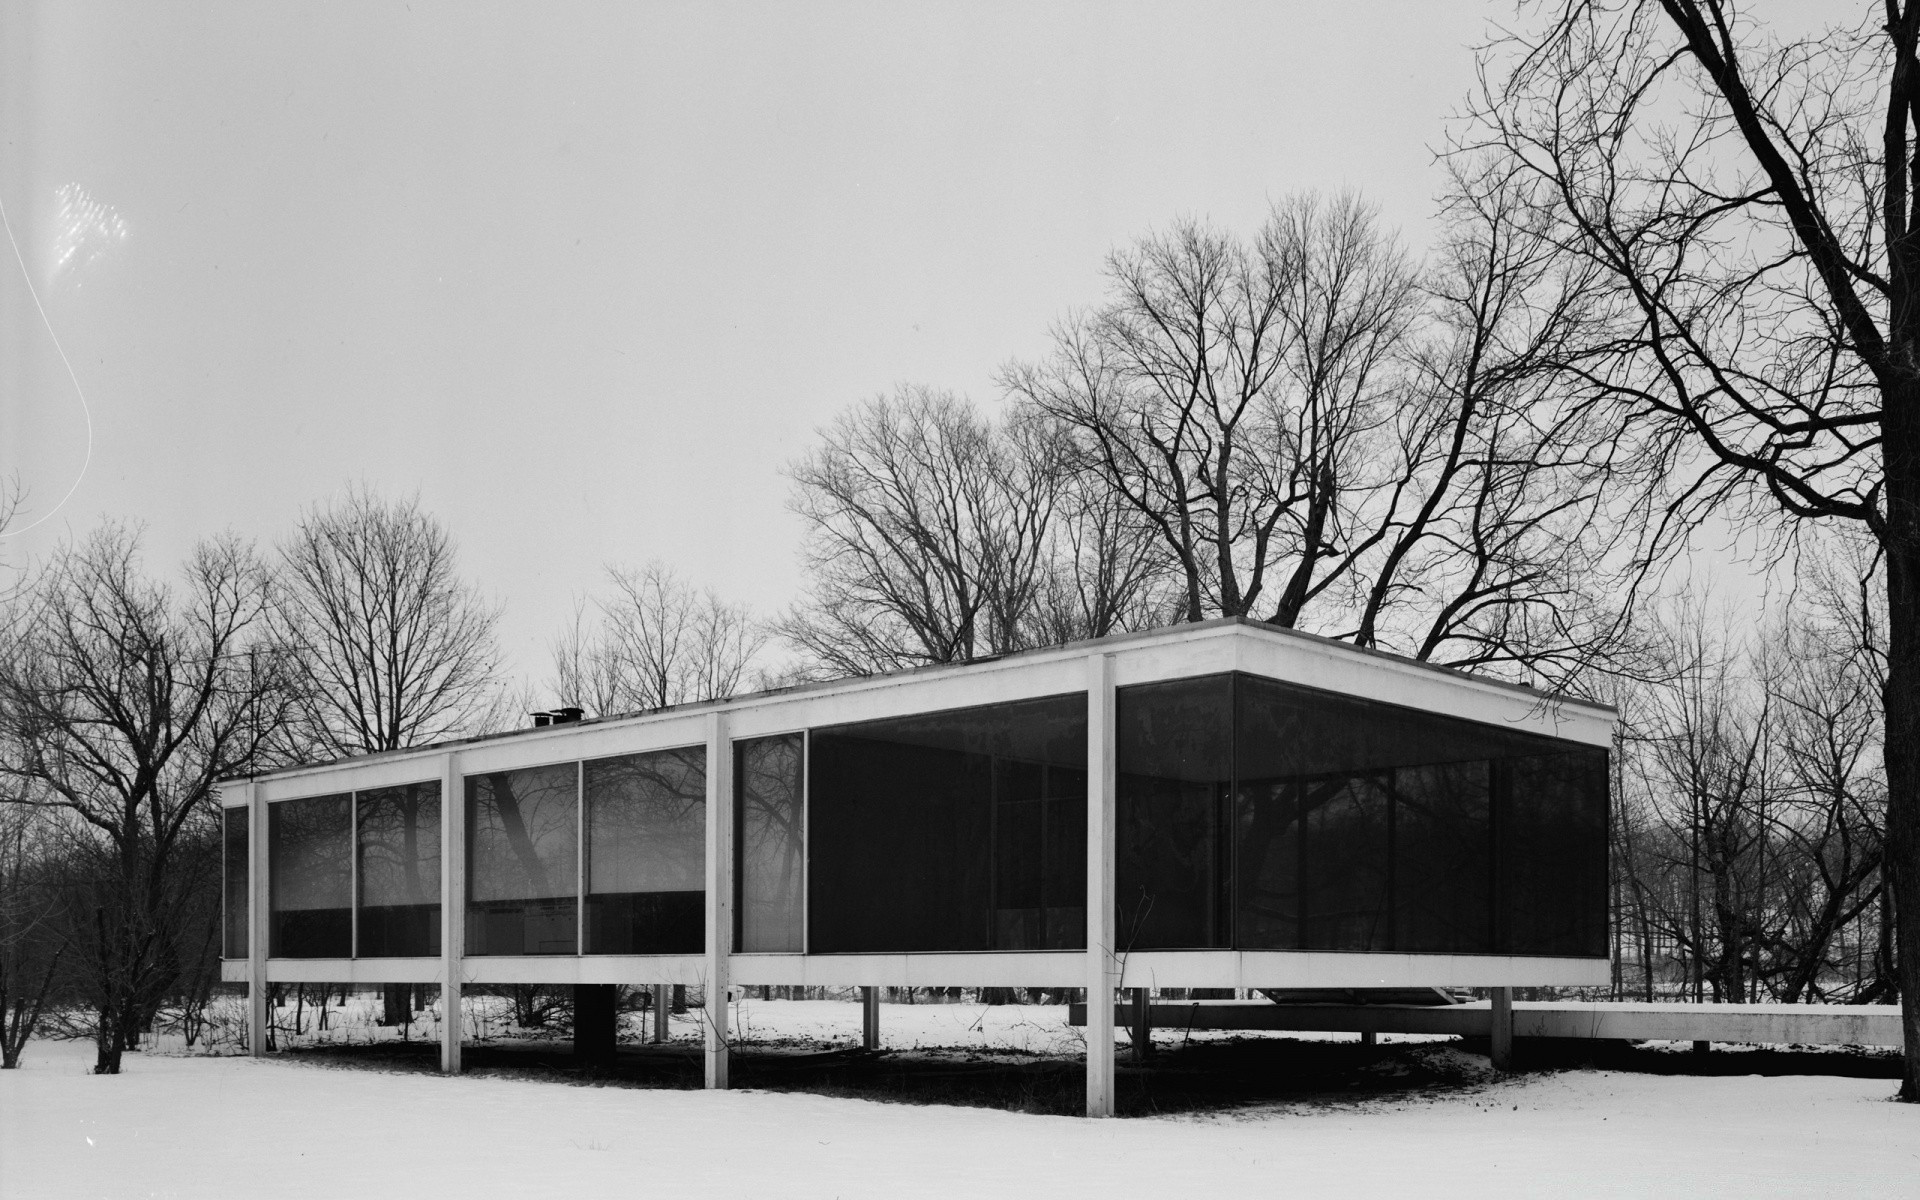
178	1126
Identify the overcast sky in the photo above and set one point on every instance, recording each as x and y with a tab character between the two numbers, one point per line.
587	276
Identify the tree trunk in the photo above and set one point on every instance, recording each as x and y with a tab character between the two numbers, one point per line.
1902	741
106	1043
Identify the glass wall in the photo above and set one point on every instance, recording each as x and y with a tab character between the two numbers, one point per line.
646	852
310	874
769	844
1365	826
523	843
1550	892
1171	861
399	871
1260	815
959	830
234	879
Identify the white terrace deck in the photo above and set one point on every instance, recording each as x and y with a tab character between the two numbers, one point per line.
1767	1024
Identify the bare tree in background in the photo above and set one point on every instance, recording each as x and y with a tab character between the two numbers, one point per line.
653	641
925	533
1323	437
1497	539
1749	206
1749	834
35	928
390	646
1227	392
126	700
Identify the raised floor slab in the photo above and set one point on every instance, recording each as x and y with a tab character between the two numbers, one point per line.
1779	1024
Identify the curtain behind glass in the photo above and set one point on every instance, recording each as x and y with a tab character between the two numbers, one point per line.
523	861
646	852
769	843
309	848
235	902
399	834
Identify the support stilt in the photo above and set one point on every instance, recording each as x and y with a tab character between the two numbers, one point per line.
453	913
1502	1031
719	896
870	1017
1102	765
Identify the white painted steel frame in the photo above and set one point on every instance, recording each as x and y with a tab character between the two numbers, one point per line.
1096	668
1241	969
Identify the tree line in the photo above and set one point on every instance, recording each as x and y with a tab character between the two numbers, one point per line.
1672	292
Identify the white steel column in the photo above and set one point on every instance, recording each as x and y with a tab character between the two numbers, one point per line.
453	910
719	894
870	1018
1502	1032
1102	763
257	899
662	1001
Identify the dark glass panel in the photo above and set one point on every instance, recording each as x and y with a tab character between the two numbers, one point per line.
1176	770
646	853
1343	863
522	861
957	830
399	913
770	840
234	890
1442	858
310	877
1362	826
1267	913
1553	834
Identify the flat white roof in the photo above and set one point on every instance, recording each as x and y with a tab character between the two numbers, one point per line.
1176	652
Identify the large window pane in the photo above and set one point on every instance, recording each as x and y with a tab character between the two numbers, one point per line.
646	853
1554	854
1442	858
1176	774
957	830
523	860
234	898
310	871
1367	826
770	841
1343	863
399	833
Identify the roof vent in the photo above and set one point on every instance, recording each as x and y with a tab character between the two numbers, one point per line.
565	715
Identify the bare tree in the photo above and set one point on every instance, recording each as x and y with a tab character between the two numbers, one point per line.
127	700
655	641
1748	204
1228	392
926	531
1750	838
1496	539
34	935
1323	436
390	646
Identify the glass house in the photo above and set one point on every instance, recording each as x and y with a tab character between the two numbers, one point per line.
1224	804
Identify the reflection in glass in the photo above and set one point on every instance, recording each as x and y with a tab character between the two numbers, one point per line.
769	843
522	861
950	831
1443	858
1176	775
399	834
1343	863
310	872
234	906
1367	826
646	853
1553	883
